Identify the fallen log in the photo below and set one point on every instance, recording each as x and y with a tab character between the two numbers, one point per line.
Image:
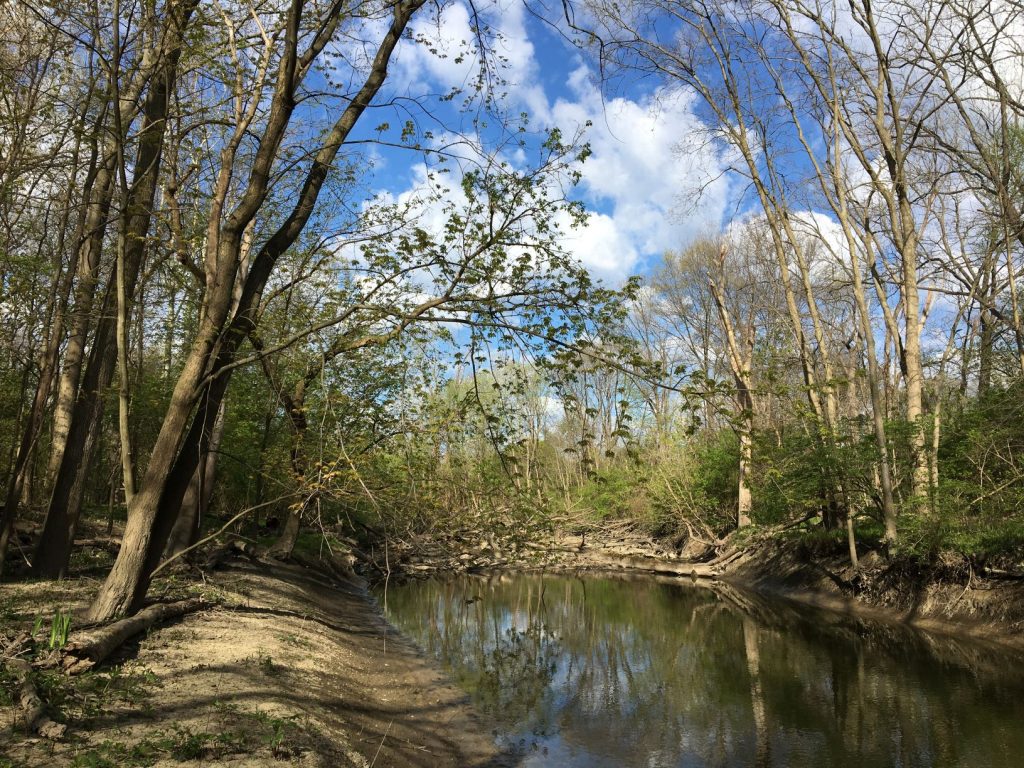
999	573
109	543
33	710
87	648
233	547
694	570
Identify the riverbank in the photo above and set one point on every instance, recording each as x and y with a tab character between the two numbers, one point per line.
285	666
289	664
940	597
945	597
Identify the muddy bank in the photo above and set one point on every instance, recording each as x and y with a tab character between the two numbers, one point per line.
935	598
290	666
942	597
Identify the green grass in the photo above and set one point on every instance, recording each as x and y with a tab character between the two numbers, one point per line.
178	744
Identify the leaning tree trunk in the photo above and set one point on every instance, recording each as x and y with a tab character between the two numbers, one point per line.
61	522
93	232
186	528
57	536
175	453
156	505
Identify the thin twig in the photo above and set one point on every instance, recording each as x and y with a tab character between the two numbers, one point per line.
381	745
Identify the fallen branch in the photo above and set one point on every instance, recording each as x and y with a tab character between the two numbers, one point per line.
236	545
109	543
11	647
33	710
793	523
653	565
218	532
999	573
86	649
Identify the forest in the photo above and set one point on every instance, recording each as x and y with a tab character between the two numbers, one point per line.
214	322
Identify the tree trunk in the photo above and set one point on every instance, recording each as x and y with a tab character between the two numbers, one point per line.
741	372
753	656
878	407
54	546
986	326
197	498
21	475
17	483
921	478
83	425
93	232
127	453
745	504
295	407
289	536
153	512
176	451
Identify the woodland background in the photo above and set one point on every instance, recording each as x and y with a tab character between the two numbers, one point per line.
206	314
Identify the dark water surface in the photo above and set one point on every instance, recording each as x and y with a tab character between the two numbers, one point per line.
614	672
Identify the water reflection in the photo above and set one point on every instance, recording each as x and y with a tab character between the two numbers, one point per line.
609	672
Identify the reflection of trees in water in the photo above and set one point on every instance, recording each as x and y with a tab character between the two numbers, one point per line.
653	674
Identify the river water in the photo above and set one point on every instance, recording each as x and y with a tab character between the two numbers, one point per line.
600	671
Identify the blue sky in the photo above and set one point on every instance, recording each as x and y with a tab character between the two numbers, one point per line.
649	158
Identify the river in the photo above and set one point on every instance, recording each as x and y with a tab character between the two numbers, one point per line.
602	671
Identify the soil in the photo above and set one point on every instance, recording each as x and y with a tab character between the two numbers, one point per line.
942	597
290	666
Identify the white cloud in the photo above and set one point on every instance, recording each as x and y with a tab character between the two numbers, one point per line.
651	168
652	182
443	51
602	246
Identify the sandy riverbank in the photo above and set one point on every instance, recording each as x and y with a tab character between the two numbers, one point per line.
289	666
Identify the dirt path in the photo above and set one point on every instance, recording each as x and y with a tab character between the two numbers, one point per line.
290	667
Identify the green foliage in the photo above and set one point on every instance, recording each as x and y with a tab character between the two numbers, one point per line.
60	626
977	506
618	493
266	665
696	481
793	472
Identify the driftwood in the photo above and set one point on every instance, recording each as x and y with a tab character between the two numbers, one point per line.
652	565
229	549
33	711
619	547
87	648
999	573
